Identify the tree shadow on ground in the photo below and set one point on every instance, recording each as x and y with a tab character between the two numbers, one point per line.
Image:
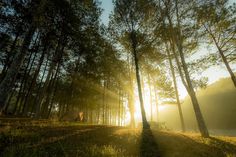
148	145
224	146
179	145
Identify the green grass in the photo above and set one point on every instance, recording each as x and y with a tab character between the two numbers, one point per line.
50	138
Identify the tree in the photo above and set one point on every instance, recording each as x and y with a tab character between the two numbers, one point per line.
8	82
180	26
172	69
128	21
217	20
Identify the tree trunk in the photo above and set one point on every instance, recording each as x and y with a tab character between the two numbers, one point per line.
191	92
103	102
9	80
172	42
40	84
131	109
176	91
134	44
131	93
188	84
198	113
34	79
150	93
119	107
25	79
56	58
20	93
8	59
41	94
233	78
5	109
48	103
156	101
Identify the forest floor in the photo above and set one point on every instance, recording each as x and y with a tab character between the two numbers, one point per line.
24	137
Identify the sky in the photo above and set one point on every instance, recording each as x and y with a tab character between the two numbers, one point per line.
213	73
108	7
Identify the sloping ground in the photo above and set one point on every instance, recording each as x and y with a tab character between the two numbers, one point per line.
47	138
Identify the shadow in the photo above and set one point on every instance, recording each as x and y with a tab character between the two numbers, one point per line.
148	145
179	145
224	146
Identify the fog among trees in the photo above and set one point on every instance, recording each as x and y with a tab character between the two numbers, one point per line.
59	62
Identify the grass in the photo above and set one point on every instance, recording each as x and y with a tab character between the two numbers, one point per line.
24	137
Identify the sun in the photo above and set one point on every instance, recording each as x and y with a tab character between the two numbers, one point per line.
161	108
151	110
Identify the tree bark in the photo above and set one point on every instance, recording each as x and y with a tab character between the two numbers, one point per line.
131	93
156	101
150	93
131	109
200	120
134	45
8	60
177	40
56	58
9	80
103	102
224	59
54	85
176	91
34	79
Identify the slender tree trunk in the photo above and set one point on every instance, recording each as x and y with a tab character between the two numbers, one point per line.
176	91
134	44
150	93
156	101
200	120
5	110
57	57
233	78
103	102
121	110
188	83
131	109
172	41
41	94
39	87
198	113
179	66
142	85
98	114
9	80
8	59
119	106
224	59
50	93
22	84
123	115
53	97
25	79
34	79
131	93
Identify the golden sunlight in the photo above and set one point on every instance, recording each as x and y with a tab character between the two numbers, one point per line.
161	108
